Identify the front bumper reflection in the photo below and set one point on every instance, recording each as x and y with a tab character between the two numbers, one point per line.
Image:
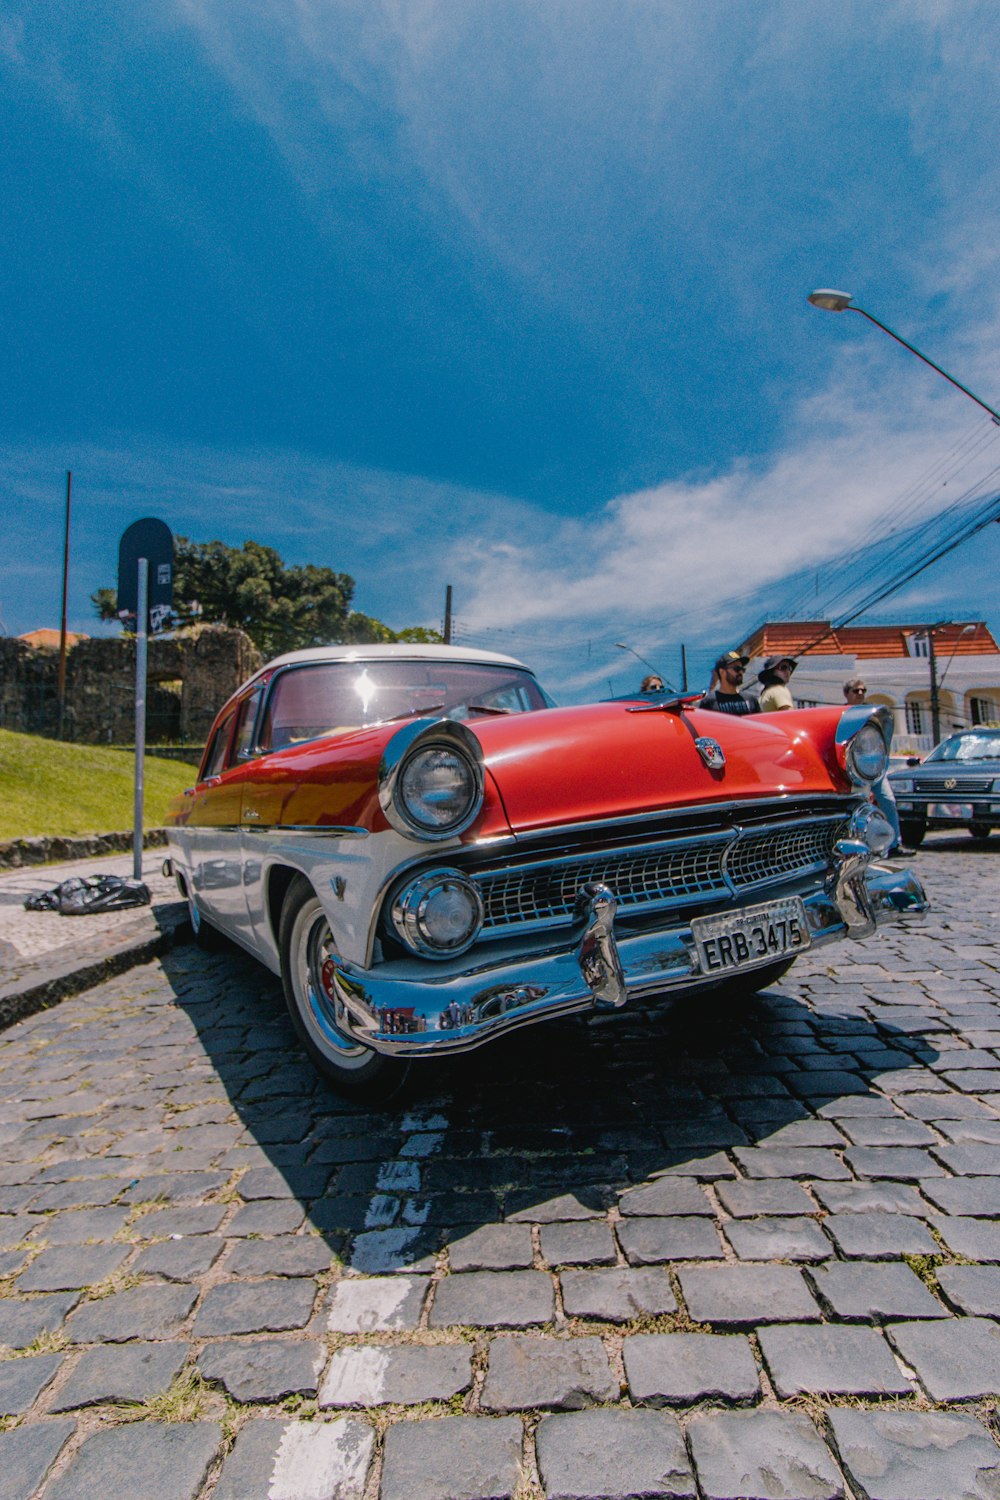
406	1016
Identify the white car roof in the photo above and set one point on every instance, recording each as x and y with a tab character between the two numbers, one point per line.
402	650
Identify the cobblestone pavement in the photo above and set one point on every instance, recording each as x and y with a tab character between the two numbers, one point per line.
751	1252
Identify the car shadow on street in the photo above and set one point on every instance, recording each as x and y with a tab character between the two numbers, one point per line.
554	1121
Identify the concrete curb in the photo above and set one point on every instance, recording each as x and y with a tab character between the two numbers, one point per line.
42	985
49	850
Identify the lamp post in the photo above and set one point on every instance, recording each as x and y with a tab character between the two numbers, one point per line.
621	646
832	301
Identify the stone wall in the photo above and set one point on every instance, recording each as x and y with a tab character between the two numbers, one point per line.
190	676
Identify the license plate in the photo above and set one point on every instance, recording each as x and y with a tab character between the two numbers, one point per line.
756	935
962	812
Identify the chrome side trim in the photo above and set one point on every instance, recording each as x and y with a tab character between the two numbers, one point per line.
326	830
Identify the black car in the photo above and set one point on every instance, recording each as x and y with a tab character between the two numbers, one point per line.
958	784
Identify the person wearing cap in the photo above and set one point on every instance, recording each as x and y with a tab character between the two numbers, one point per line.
882	793
725	696
773	678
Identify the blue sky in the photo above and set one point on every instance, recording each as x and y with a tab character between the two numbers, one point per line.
504	295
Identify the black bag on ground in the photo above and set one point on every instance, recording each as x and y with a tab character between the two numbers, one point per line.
82	894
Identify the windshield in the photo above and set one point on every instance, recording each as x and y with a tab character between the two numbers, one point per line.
968	747
332	697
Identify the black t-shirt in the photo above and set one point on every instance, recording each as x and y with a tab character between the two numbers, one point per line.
729	703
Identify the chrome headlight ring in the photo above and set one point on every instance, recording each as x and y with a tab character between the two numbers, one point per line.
863	737
430	779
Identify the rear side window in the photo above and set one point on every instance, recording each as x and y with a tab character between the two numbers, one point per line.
215	756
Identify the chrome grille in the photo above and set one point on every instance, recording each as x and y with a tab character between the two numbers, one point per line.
656	875
962	786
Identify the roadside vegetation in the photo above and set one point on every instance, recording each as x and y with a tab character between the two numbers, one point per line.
47	787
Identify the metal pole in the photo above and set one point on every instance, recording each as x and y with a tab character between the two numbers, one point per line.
935	700
684	669
914	350
62	631
141	624
447	615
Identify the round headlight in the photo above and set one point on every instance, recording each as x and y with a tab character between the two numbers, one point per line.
437	790
867	754
438	914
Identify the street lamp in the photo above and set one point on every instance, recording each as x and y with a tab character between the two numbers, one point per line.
832	301
621	646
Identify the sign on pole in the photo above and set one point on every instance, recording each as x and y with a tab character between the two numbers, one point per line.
145	598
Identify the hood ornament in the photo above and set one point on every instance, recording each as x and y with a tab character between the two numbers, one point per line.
711	752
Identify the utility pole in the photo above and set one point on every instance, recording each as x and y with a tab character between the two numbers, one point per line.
935	697
61	690
447	615
684	669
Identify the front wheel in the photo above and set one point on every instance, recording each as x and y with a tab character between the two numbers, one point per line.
307	950
980	831
912	831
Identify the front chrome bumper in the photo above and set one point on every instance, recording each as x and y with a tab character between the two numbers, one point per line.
410	1011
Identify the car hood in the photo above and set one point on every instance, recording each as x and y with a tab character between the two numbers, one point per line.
610	760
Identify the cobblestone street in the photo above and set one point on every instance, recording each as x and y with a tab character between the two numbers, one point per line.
704	1252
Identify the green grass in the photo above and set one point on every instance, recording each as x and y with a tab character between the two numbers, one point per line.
47	787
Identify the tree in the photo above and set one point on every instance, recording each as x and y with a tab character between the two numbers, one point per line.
249	588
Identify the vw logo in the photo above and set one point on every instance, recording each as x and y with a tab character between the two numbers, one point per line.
950	783
711	752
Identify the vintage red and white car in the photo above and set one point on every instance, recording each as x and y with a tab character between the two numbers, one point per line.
430	853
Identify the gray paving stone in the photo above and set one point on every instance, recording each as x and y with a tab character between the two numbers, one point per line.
204	1218
298	1460
494	1247
456	1458
777	1239
762	1195
494	1299
255	1307
28	1453
178	1260
976	1239
894	1131
23	1321
972	1289
613	1455
762	1455
372	1376
288	1255
619	1295
376	1304
143	1460
145	1312
399	1250
96	1194
268	1216
878	1236
911	1455
874	1291
130	1372
589	1243
827	1359
263	1369
743	1296
21	1380
650	1241
522	1207
978	1197
790	1161
82	1224
678	1369
668	1195
870	1197
527	1372
898	1163
957	1359
71	1266
171	1187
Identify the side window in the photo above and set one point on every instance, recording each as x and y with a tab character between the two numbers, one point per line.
246	718
216	756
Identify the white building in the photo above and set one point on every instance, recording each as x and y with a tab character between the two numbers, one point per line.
899	665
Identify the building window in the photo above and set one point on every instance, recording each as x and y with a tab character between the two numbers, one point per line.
915	717
983	710
919	645
807	703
